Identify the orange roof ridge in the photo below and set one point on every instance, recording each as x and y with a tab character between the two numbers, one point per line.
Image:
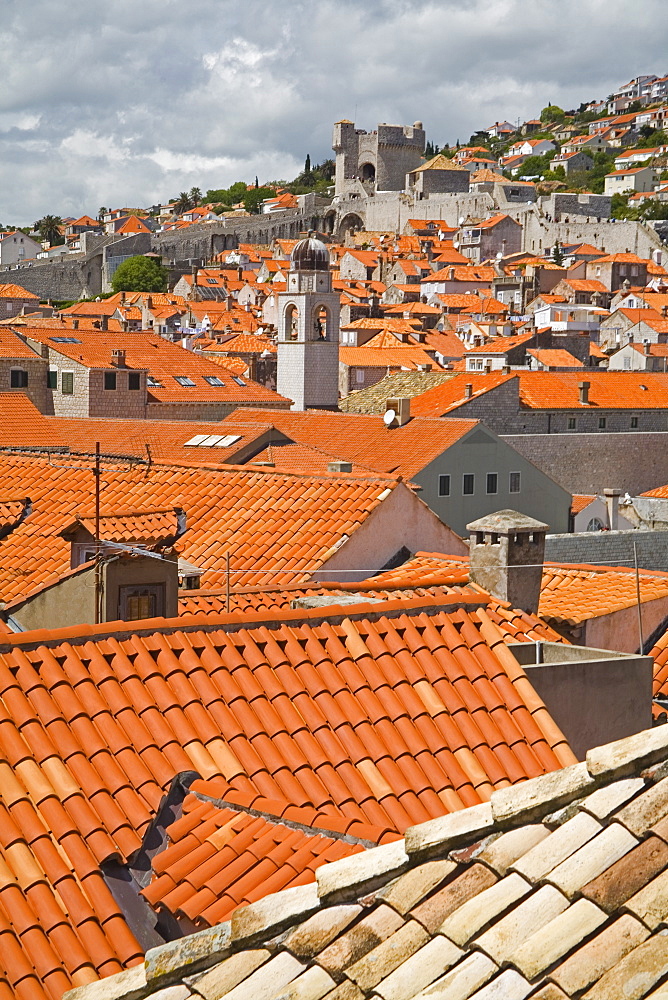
234	621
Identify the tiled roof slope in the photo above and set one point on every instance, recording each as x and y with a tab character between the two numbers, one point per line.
364	438
277	527
373	399
23	426
569	593
555	889
230	848
385	717
554	390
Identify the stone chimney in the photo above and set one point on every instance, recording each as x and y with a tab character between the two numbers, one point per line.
104	322
647	347
118	357
75	324
612	503
584	391
468	390
506	556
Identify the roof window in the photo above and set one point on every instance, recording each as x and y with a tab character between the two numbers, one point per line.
184	380
153	382
212	440
64	340
213	380
239	381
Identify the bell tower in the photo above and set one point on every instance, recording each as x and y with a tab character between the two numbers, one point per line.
308	332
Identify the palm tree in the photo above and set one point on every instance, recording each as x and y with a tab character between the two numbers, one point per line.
102	211
49	229
195	197
182	203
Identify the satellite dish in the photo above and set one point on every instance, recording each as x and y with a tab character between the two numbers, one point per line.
389	417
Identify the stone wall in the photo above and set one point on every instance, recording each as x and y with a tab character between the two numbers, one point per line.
610	548
590	463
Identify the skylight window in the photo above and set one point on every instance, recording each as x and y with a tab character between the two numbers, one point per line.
153	381
213	380
184	380
212	281
238	380
64	340
212	440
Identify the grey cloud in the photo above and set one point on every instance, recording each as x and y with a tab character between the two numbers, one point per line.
130	101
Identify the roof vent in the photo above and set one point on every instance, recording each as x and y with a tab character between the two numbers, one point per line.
339	466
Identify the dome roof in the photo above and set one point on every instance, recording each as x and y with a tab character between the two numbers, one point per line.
309	255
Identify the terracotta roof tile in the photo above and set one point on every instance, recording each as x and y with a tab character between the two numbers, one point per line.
476	912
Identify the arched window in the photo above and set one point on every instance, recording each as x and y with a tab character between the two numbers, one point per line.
368	172
291	323
321	330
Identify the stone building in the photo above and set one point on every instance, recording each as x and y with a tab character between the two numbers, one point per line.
439	176
308	333
367	162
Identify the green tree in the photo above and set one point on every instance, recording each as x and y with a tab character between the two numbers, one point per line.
253	199
182	203
140	274
195	196
49	230
557	254
552	113
307	164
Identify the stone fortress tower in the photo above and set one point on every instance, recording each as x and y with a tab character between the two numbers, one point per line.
308	332
367	162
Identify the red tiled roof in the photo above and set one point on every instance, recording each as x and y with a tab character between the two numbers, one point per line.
239	847
500	345
580	501
359	718
556	357
235	509
397	357
363	438
553	390
12	291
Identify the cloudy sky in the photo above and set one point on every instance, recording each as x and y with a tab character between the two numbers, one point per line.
128	102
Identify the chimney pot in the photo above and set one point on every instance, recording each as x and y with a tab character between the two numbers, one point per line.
468	390
75	324
118	357
506	557
612	503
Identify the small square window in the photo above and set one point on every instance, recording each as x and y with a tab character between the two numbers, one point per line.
634	423
110	380
572	423
468	484
18	378
444	486
514	482
67	383
602	422
134	380
492	483
52	379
